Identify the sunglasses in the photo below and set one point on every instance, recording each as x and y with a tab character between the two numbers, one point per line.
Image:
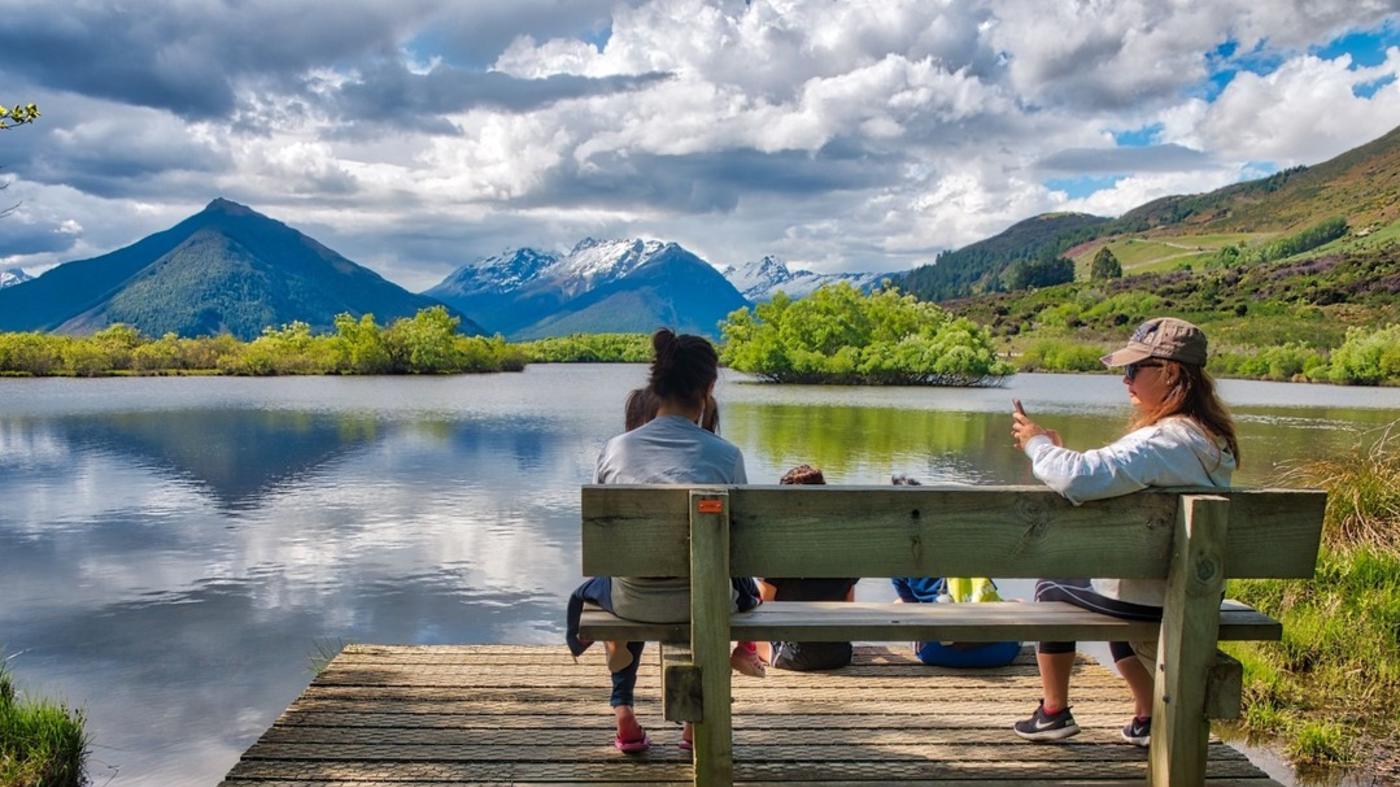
1130	371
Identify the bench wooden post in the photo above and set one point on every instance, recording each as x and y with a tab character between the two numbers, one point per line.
1186	644
710	604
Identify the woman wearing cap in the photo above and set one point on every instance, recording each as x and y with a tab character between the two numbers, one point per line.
1182	435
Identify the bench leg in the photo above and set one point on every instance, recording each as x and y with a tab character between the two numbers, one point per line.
681	694
709	634
1186	643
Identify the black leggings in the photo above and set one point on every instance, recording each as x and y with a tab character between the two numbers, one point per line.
1079	593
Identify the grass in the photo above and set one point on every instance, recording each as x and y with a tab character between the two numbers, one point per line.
1329	689
1161	253
42	744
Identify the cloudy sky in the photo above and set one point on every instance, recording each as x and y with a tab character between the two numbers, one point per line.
414	136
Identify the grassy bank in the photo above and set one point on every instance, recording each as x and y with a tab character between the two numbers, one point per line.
42	744
1329	690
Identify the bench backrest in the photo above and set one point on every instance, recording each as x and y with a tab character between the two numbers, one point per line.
1001	531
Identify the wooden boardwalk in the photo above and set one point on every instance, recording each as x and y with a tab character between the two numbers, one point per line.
402	715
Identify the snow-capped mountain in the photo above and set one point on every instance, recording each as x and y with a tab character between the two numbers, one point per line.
592	263
511	291
9	277
758	281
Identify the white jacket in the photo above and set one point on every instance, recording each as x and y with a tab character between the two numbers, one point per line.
1172	452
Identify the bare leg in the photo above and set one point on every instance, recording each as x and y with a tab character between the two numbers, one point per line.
1140	681
627	727
765	651
1054	679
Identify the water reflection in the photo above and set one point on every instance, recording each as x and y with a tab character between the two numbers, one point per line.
171	549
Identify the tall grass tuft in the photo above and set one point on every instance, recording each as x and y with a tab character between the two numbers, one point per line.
1363	492
42	744
1330	687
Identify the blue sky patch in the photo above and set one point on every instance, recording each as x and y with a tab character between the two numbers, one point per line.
1366	47
1084	185
1368	89
1138	137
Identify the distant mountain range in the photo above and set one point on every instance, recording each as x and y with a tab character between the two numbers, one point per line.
9	277
227	268
616	285
1361	185
760	280
230	268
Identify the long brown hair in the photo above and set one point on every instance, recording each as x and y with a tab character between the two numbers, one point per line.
642	405
1191	394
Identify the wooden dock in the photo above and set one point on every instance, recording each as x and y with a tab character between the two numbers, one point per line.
400	715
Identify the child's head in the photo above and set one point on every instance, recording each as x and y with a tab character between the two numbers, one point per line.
803	474
900	479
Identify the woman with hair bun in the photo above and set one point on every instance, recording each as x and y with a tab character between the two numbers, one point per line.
671	448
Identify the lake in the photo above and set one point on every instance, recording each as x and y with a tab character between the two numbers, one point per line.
174	551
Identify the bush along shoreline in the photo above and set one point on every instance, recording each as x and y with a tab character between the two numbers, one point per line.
838	335
42	743
427	343
1328	691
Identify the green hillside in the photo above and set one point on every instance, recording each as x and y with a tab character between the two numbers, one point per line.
981	266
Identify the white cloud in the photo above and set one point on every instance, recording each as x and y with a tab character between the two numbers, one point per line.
859	135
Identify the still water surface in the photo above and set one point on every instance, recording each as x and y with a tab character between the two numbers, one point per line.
173	550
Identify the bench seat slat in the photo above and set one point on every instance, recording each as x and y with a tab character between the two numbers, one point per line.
818	621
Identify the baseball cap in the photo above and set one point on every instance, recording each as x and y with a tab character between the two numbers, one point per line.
1162	337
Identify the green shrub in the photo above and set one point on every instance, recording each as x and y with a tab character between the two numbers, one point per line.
1368	357
839	335
1105	266
1059	355
42	744
590	348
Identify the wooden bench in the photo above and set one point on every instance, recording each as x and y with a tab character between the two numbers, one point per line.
1194	538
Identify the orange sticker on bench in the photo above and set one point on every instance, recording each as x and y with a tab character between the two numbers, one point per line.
710	506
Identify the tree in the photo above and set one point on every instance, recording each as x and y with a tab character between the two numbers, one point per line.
9	118
1105	266
18	115
1044	272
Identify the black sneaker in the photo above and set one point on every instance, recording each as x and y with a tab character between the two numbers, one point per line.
1138	732
1041	726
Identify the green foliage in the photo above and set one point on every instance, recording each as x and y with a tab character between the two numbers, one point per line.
1059	355
1292	361
1334	678
839	335
1310	238
1105	266
982	266
18	115
42	744
427	343
1368	357
590	348
1043	272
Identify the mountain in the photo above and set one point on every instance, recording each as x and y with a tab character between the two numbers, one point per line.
760	280
513	291
227	268
1360	185
673	287
9	277
979	267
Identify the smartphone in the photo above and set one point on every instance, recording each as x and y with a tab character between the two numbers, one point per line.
1016	403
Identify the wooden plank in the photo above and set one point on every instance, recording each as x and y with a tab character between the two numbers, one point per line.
664	749
1225	688
1022	531
647	772
1180	728
710	604
839	621
681	687
832	737
990	691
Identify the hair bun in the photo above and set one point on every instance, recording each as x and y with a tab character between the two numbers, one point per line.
662	340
